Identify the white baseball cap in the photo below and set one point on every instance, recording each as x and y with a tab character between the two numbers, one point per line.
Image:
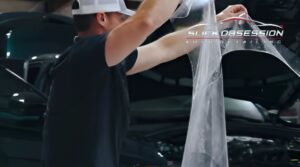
82	7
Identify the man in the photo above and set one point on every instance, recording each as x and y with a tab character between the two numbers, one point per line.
87	115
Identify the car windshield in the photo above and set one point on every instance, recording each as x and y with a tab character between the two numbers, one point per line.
11	85
38	38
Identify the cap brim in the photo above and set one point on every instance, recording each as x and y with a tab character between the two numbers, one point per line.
128	12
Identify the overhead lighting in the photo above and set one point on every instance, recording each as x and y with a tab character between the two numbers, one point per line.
22	100
158	153
8	54
16	94
9	34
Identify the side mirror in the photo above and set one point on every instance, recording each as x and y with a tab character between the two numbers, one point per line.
27	104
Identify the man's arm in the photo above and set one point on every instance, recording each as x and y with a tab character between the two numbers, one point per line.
174	45
123	39
165	49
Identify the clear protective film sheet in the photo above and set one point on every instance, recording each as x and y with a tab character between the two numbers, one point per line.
206	139
184	9
244	33
206	144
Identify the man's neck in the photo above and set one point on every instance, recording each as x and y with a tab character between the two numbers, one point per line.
90	33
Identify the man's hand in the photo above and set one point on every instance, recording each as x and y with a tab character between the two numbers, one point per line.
231	11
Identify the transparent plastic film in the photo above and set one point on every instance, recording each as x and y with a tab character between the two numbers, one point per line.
206	139
206	144
244	33
184	9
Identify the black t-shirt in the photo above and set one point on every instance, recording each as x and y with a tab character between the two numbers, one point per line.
87	113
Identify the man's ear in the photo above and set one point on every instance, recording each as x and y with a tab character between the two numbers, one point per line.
102	19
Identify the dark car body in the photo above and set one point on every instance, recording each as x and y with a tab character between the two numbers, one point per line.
160	98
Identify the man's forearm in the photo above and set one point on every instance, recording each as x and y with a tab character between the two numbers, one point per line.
163	50
177	44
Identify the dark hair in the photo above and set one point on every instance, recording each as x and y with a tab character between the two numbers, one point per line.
82	22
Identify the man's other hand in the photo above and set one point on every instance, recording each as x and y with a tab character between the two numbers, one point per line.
232	11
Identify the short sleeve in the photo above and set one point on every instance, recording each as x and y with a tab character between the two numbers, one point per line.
130	60
127	63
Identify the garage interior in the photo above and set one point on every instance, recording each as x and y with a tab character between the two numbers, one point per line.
262	95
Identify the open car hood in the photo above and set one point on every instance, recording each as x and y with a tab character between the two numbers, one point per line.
254	82
249	75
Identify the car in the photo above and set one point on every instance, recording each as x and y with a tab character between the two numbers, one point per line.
261	94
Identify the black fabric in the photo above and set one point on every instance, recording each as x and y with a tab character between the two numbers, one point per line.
87	113
43	80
